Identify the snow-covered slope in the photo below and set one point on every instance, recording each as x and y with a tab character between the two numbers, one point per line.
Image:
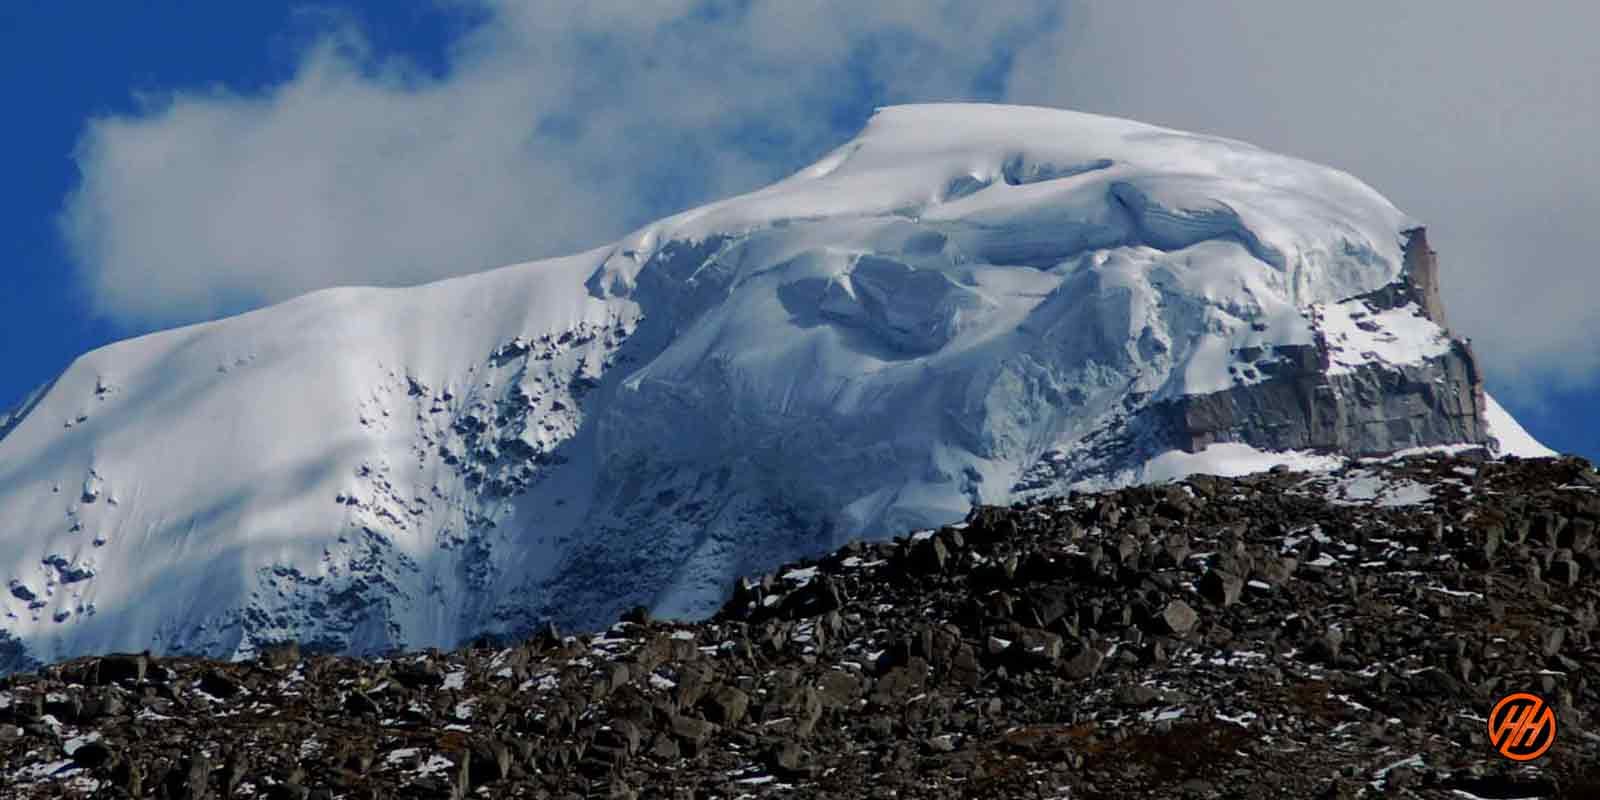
912	325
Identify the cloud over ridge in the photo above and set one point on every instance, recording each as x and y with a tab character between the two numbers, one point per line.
557	126
550	130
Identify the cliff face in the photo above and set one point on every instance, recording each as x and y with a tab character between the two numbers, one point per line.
1312	401
1421	274
1373	410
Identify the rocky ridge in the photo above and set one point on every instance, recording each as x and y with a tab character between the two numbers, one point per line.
1336	634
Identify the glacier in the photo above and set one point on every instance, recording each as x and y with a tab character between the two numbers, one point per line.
965	304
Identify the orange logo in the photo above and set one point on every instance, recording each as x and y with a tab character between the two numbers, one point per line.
1522	726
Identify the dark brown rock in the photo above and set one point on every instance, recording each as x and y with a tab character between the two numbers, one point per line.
92	755
726	705
691	733
280	656
1221	588
1082	664
900	682
122	667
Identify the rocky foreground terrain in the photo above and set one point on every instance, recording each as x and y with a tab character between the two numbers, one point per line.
1338	634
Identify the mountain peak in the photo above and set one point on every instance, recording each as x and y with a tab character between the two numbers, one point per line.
964	305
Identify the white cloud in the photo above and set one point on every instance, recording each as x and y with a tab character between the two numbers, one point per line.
553	128
556	127
1480	122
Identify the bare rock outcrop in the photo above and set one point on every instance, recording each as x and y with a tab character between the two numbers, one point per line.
1309	402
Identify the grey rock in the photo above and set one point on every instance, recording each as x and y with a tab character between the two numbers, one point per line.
1178	618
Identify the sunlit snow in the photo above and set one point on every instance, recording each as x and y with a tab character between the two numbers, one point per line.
867	347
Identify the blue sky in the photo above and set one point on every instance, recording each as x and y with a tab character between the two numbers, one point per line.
172	162
57	72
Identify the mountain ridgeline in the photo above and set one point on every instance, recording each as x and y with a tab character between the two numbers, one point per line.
964	305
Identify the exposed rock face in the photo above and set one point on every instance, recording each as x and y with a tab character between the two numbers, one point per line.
1422	274
1335	635
1372	407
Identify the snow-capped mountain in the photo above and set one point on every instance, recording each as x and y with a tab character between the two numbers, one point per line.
965	304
